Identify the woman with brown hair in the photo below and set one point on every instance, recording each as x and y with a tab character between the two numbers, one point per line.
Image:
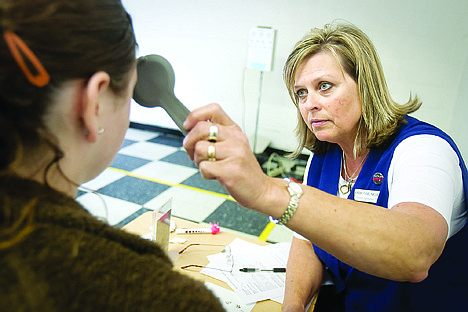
67	73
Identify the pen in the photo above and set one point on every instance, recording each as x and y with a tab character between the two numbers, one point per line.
276	270
213	230
194	231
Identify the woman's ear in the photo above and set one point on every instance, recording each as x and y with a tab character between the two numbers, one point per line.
93	93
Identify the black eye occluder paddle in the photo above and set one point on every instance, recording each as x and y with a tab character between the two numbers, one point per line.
155	87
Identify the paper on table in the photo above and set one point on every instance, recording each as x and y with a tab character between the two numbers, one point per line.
279	299
257	286
230	301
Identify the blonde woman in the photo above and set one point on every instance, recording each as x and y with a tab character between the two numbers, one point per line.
382	211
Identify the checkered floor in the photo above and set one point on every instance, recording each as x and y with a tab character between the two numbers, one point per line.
151	168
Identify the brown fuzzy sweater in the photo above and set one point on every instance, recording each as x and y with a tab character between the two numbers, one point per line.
72	262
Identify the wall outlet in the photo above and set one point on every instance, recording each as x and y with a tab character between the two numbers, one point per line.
261	48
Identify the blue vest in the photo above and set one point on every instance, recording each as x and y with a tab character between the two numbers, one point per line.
445	288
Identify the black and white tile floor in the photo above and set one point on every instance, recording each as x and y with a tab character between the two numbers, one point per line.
152	167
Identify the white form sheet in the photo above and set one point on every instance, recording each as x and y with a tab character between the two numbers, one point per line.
254	286
230	301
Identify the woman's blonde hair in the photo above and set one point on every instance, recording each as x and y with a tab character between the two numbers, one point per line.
356	54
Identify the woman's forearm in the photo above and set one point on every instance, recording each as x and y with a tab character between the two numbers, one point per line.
304	276
399	244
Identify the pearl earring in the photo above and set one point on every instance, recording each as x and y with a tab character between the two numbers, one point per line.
100	131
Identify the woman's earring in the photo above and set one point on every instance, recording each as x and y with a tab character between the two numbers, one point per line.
100	131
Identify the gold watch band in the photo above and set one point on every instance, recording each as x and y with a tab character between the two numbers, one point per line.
295	190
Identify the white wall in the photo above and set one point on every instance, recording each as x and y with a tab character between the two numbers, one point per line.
420	44
459	123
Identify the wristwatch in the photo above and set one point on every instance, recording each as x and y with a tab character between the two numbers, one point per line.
295	191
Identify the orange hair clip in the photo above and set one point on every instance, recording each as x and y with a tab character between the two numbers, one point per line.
16	45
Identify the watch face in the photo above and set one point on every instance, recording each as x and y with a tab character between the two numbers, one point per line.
295	187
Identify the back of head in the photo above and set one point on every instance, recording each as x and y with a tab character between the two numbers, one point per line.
70	39
357	57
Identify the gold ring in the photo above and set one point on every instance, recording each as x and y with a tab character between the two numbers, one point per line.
211	152
213	137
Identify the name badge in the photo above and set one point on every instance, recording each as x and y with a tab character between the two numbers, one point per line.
366	196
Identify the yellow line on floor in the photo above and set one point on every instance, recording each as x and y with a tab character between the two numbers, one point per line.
131	174
263	236
266	232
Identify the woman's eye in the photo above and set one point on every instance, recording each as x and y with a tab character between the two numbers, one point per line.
301	93
325	86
